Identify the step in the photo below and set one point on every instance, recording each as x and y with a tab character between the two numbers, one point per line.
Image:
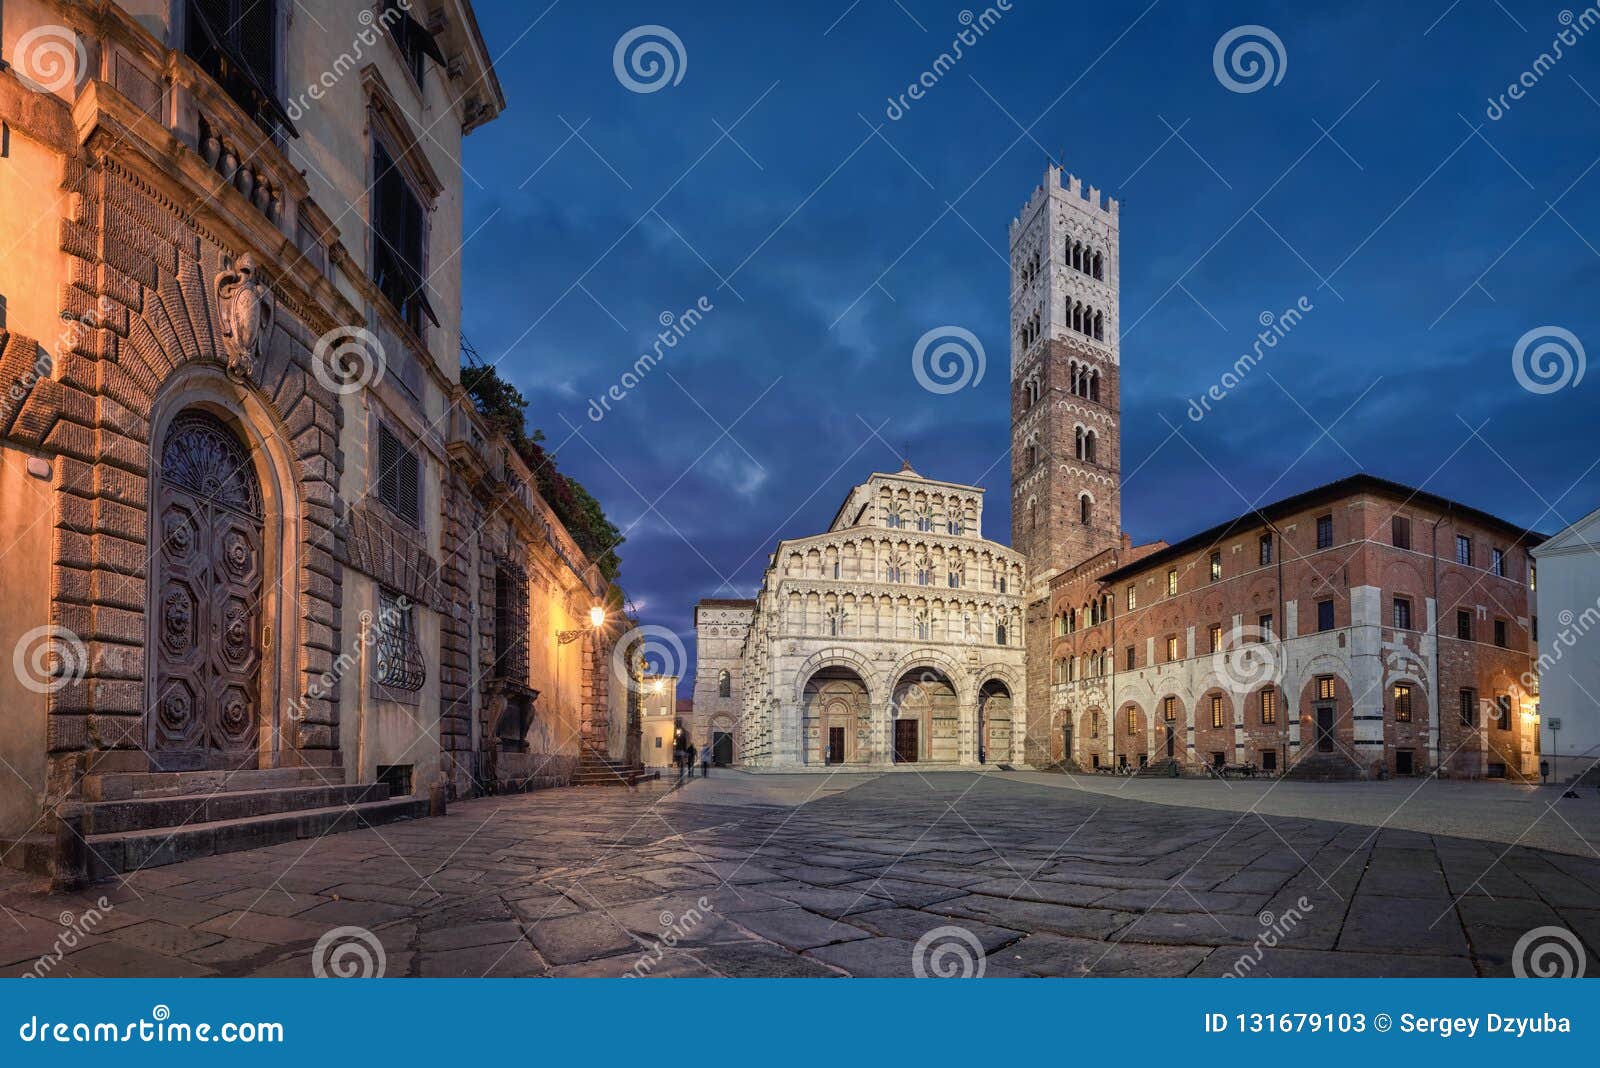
142	813
126	851
122	786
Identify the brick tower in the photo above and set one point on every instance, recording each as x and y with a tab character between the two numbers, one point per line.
1066	427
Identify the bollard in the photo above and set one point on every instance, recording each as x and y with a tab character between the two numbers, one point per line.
71	868
437	799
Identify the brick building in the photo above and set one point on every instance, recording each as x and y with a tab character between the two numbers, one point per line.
1360	628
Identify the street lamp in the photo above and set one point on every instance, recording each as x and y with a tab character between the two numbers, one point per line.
597	619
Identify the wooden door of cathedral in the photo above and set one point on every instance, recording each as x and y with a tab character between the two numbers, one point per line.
208	655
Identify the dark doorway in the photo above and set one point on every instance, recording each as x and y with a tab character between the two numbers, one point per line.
1403	762
1066	743
1324	728
1269	760
905	741
722	748
1172	743
836	745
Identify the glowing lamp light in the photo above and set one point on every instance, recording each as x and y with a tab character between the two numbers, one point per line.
597	617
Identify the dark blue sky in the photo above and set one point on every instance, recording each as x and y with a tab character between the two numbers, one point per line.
1357	182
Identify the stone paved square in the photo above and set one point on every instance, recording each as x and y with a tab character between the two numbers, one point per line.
866	875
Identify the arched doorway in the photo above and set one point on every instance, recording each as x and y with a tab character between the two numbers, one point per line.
837	718
209	527
994	723
926	718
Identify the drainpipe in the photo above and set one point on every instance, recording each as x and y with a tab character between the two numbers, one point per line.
1436	727
1278	623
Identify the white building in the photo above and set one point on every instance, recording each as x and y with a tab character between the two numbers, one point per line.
1568	595
894	637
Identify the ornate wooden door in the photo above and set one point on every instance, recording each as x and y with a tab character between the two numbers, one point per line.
905	741
208	561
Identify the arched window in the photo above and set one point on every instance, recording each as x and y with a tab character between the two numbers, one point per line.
1099	266
1099	327
1088	446
1077	255
1084	509
724	685
1077	441
1033	514
1077	318
924	628
1094	386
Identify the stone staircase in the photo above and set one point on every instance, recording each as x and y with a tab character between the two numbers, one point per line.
1324	767
597	768
130	821
1168	769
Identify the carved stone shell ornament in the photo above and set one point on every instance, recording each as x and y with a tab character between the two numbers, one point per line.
245	308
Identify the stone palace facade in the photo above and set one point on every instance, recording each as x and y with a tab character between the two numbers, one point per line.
257	535
892	638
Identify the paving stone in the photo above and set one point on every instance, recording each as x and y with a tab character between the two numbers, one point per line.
259	927
491	961
894	958
274	902
356	913
1407	925
762	960
570	939
797	929
1059	955
906	892
830	901
1198	929
1037	915
228	953
109	958
672	964
167	939
468	935
1321	964
1032	889
912	924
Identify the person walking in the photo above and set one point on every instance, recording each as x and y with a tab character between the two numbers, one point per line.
690	753
705	763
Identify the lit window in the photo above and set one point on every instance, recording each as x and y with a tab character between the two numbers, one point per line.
1133	721
1133	596
1325	688
1216	637
1172	581
1216	710
1402	702
1269	706
1169	709
1216	566
1172	648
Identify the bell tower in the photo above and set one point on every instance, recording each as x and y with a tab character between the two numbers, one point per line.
1066	425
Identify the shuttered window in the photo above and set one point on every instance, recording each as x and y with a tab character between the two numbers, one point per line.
399	477
399	237
236	42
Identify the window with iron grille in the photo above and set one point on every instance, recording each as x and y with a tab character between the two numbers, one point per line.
1402	702
397	777
1216	710
236	43
399	477
1402	613
510	624
1400	532
1269	706
1469	708
1324	531
399	663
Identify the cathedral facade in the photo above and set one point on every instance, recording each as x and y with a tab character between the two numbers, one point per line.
893	638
